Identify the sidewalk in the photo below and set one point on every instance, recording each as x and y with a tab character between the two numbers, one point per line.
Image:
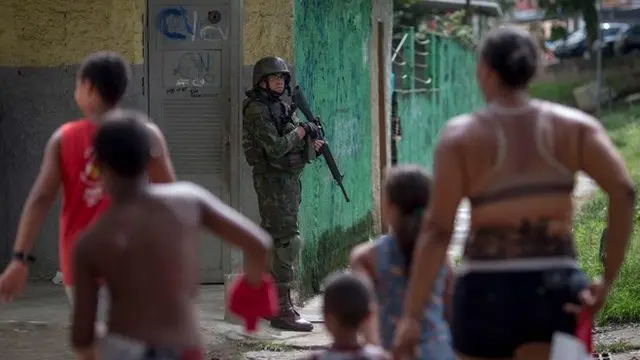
634	355
620	338
36	327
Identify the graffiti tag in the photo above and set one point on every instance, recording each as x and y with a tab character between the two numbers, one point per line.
193	92
174	23
194	68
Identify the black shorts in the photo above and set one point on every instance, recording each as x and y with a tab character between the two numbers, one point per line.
496	312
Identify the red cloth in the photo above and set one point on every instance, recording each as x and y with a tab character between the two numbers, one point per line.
583	329
83	199
192	354
251	303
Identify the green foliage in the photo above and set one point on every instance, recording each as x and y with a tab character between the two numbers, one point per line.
453	25
506	5
558	32
622	306
574	7
404	14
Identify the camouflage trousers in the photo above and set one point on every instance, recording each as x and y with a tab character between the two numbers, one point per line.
279	196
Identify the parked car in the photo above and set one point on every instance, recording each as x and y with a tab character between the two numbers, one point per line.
628	41
577	44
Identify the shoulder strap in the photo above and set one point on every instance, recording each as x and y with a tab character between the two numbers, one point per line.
545	122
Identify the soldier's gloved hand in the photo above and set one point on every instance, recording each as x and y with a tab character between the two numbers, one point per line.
311	129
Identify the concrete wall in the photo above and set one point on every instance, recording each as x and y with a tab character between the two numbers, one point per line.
335	51
330	44
267	31
42	43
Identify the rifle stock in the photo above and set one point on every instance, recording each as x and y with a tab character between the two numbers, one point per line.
300	102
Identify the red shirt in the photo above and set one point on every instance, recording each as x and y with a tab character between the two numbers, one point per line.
83	198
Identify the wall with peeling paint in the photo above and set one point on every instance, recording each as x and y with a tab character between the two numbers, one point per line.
328	41
268	29
42	43
333	45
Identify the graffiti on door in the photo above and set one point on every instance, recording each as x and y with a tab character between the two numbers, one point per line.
182	24
194	68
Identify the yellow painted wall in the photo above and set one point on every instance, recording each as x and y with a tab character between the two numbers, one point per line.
268	29
48	33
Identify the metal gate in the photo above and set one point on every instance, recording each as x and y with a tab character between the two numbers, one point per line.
191	54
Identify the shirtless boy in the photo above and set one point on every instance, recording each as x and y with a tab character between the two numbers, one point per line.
69	161
144	247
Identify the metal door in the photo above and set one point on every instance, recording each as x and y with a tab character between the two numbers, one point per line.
188	58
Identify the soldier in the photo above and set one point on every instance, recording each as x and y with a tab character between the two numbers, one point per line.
277	147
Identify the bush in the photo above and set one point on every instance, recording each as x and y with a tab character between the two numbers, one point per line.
623	305
561	92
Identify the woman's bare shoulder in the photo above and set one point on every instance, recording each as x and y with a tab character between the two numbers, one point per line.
363	258
362	252
458	127
571	116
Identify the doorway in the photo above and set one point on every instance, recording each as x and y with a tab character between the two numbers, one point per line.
384	139
192	48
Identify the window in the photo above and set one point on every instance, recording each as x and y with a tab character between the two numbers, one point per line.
612	31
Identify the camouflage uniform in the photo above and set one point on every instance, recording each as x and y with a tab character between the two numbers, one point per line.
277	157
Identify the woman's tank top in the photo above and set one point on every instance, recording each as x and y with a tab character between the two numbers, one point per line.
391	284
83	199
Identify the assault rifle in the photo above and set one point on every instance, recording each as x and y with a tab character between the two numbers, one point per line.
300	102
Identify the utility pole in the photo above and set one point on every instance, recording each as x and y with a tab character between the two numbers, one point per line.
599	48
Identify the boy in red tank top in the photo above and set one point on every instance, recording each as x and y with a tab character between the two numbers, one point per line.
69	163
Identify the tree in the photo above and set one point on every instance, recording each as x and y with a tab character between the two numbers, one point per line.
467	11
404	13
506	5
587	8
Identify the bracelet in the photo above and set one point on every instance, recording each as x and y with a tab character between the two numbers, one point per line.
24	257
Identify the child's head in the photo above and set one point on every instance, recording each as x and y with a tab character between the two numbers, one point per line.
347	302
101	82
405	197
122	146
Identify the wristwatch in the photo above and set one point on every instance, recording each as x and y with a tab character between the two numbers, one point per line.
24	257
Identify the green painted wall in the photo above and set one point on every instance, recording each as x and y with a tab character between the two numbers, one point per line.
331	57
424	108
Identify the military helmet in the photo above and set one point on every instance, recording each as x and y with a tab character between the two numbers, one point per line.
270	65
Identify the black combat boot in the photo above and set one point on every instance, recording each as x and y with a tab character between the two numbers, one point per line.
289	319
